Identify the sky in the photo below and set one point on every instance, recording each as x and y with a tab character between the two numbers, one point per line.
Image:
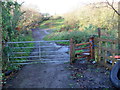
57	6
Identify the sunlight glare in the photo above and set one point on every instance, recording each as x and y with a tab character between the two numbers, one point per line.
57	6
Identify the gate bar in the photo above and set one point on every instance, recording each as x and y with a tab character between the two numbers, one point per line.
38	41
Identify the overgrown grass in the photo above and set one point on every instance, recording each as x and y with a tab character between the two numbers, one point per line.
61	33
100	16
52	24
80	24
78	36
7	64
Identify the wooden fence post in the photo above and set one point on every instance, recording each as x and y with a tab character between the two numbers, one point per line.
99	50
113	54
99	32
92	51
99	45
95	49
72	51
105	60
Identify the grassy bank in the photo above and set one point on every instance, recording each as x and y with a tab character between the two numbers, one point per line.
84	22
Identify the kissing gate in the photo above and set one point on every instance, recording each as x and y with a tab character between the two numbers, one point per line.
30	52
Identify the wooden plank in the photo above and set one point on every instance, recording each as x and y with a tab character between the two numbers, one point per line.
106	40
108	49
82	44
82	52
82	48
108	57
96	52
81	57
113	54
106	44
99	51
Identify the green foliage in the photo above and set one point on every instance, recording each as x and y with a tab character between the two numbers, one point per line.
78	36
30	18
92	16
55	24
7	64
11	17
84	22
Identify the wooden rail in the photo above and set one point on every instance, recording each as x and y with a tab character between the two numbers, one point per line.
81	46
103	48
81	57
104	51
106	40
83	52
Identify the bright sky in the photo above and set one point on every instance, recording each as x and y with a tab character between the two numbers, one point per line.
57	6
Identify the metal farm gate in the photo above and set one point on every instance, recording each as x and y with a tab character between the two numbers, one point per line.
30	52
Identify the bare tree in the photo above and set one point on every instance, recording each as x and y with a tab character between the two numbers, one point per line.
111	5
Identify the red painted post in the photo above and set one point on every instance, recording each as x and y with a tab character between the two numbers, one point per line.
91	40
72	51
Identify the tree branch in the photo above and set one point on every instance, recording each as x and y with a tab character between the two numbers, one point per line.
113	15
111	5
112	2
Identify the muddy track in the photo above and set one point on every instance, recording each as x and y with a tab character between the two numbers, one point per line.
82	74
49	75
49	51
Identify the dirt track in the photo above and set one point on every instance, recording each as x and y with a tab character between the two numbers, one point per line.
49	75
60	75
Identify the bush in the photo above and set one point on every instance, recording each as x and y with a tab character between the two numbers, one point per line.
11	17
92	15
30	16
78	36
